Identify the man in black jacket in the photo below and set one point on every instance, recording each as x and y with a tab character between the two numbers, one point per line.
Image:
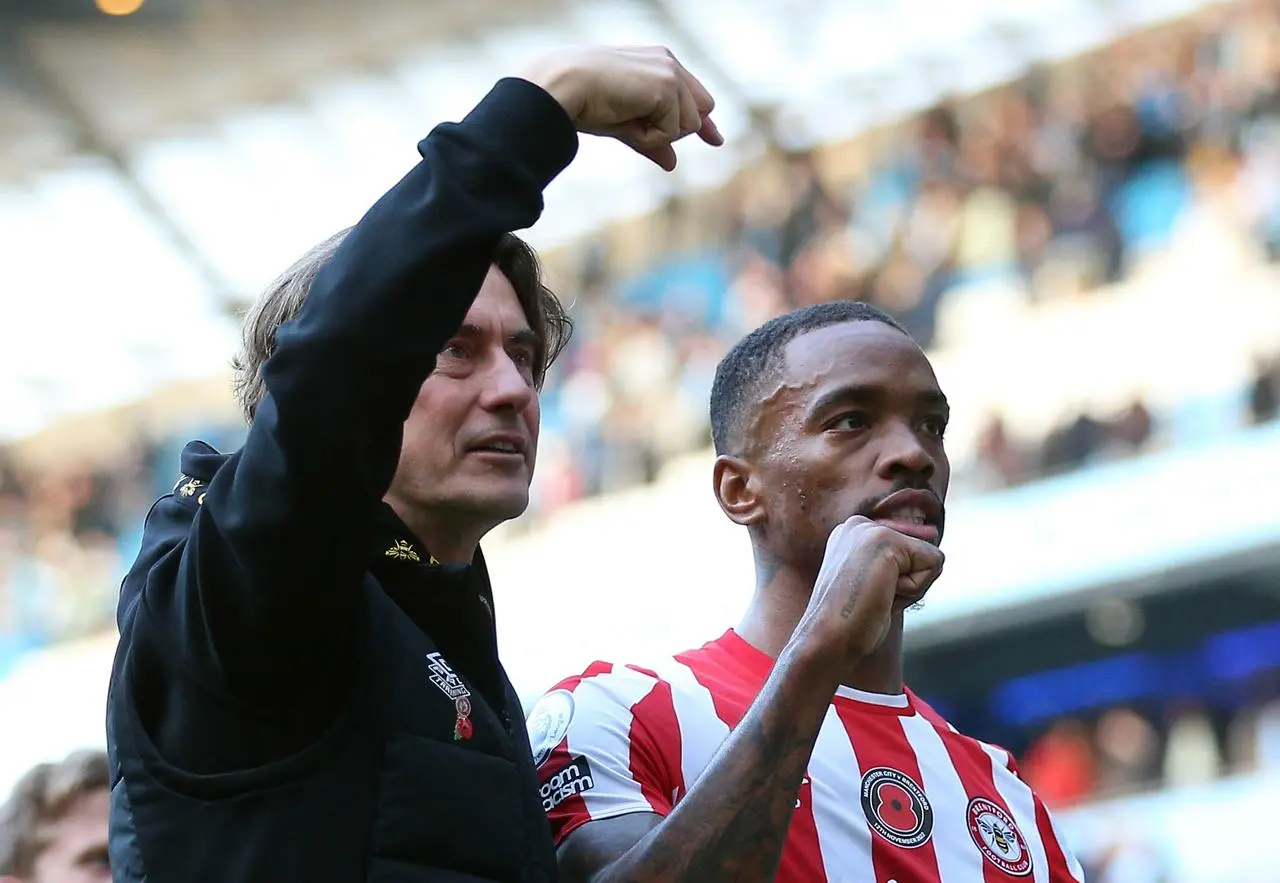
307	686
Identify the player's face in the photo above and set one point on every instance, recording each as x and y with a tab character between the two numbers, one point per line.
471	439
853	427
77	845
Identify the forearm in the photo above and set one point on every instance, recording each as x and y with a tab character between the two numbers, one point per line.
733	822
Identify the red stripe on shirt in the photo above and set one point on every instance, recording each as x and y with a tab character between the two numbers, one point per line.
655	754
973	765
571	812
802	851
1059	866
880	743
978	778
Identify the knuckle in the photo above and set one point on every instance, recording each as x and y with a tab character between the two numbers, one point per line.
879	533
885	543
663	134
648	139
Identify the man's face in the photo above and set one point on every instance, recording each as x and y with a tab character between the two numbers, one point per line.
77	845
471	439
853	426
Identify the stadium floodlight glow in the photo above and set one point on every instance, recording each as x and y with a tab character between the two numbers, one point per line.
119	7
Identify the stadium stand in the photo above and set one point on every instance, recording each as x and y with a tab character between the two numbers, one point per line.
1008	215
1089	253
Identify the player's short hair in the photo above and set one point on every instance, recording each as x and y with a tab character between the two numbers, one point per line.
743	372
41	798
283	300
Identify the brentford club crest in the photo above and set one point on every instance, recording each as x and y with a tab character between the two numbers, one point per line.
998	838
896	808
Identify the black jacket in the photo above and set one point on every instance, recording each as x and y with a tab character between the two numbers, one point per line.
294	669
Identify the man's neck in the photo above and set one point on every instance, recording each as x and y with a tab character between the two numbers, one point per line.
780	601
448	537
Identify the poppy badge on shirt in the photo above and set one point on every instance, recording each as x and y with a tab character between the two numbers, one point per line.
896	807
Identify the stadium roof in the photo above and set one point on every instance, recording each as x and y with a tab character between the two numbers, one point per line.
158	166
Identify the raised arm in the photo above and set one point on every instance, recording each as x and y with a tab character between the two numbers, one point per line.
266	588
732	824
261	592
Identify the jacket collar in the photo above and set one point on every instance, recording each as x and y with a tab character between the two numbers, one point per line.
396	550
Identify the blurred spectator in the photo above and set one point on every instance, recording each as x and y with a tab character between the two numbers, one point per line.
1072	445
1192	754
1087	439
1264	392
53	828
1254	738
1128	860
1266	736
1000	462
1129	432
1060	766
1128	751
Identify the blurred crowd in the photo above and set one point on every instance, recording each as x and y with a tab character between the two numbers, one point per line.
65	536
1127	750
1061	181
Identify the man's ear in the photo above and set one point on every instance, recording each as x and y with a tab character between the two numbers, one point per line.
736	487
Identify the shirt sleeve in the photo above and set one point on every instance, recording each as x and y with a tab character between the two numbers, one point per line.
601	751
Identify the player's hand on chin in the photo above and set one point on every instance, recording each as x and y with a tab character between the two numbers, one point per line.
642	96
869	571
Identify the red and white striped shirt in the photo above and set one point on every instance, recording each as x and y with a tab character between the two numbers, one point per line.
892	794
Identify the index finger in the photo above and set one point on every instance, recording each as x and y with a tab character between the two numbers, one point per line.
704	104
924	555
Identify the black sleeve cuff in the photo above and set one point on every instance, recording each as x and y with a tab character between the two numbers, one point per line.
531	127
